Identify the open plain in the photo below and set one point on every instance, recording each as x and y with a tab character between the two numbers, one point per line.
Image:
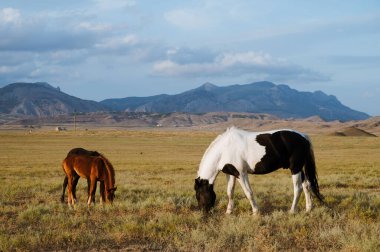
155	207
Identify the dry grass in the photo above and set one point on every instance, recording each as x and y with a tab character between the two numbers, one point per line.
155	208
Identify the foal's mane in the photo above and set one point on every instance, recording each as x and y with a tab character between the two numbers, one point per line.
110	169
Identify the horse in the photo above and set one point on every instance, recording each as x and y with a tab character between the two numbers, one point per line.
93	168
79	151
238	153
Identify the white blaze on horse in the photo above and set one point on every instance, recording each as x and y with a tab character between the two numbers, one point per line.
238	153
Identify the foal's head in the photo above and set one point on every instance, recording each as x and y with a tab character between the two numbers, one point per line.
111	194
204	191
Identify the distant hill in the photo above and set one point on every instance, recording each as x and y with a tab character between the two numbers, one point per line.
353	131
259	97
41	99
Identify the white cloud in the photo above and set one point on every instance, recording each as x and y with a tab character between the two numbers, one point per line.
52	31
94	27
250	58
106	5
6	69
118	42
237	64
187	19
9	16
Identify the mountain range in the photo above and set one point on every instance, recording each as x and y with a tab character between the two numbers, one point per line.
42	99
259	97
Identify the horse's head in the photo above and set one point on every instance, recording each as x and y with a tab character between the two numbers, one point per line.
204	192
111	194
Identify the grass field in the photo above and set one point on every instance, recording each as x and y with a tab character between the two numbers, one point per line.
155	207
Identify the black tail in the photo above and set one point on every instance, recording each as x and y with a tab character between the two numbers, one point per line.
311	173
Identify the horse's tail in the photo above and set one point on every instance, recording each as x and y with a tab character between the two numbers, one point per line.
311	173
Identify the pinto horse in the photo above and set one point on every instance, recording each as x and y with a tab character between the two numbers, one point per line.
93	168
80	151
238	153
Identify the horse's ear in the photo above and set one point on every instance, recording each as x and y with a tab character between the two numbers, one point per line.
197	183
231	170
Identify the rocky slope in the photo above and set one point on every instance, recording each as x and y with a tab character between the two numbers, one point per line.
41	99
260	97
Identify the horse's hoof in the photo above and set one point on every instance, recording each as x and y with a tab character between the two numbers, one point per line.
256	213
229	211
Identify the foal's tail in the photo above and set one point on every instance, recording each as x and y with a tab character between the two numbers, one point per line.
311	173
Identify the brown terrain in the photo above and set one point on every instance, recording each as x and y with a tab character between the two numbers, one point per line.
216	121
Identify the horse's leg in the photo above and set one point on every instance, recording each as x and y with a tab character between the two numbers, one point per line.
92	190
70	200
75	182
88	190
244	182
102	193
93	193
69	174
230	193
306	190
297	187
65	181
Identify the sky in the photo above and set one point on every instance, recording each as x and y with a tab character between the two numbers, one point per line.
99	49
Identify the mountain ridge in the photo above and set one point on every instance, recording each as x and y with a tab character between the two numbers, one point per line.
259	97
42	99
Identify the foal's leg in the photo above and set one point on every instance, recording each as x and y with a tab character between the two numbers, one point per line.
75	182
92	191
70	200
88	190
65	181
297	187
244	182
306	190
230	192
102	193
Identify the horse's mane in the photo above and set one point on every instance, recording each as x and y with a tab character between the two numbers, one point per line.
109	167
216	140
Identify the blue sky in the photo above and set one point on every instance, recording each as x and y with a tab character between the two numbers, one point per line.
98	49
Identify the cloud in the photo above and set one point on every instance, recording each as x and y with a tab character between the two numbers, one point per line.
52	45
237	64
106	5
185	55
206	14
358	60
187	19
9	16
118	42
6	69
43	33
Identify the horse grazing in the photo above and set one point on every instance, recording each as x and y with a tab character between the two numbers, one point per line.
238	153
93	168
79	151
